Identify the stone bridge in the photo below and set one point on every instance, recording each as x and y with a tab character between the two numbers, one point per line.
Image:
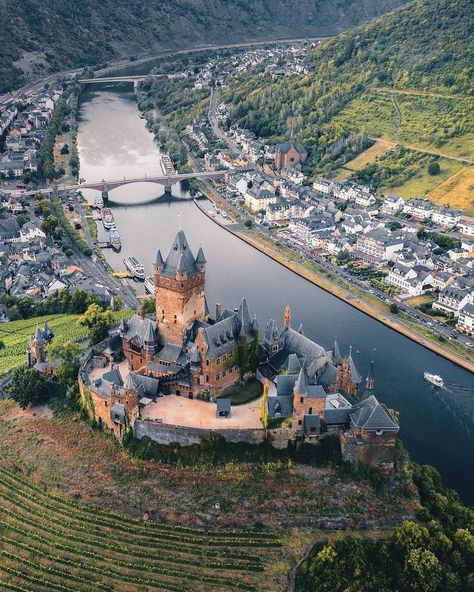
111	79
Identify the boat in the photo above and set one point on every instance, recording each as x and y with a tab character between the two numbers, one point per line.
108	219
150	285
141	115
115	240
434	379
98	203
135	267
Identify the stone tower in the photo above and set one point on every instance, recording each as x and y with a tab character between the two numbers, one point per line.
287	317
180	289
36	348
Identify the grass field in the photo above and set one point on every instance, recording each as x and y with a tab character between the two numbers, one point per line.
457	191
422	183
15	335
368	156
49	542
248	392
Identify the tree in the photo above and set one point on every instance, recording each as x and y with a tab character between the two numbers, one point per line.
394	308
2	345
434	168
28	387
70	354
248	223
22	219
97	322
49	224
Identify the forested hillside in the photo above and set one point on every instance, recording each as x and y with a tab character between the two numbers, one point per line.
45	34
406	78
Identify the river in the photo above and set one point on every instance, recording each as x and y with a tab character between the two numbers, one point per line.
436	427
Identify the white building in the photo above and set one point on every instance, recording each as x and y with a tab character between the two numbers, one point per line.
465	322
445	217
452	300
466	225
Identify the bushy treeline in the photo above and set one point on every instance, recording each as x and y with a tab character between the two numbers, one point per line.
435	554
64	302
60	112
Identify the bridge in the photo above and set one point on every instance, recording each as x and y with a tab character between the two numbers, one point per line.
111	79
108	185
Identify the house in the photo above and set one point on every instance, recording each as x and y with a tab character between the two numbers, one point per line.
445	217
451	300
285	210
378	246
259	198
419	209
466	225
322	185
410	281
465	322
30	231
392	204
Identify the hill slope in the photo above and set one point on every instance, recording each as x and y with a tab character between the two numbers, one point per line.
44	34
407	78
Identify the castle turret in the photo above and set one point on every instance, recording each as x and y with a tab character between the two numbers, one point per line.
287	317
370	381
179	287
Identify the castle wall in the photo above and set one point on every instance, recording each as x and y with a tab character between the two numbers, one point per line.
170	434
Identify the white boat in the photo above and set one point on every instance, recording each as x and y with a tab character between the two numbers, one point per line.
135	267
433	378
150	285
108	219
99	202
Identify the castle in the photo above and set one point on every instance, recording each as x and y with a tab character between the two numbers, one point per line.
165	377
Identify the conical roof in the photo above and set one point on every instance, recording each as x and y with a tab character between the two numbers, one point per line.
200	257
159	259
195	356
300	329
254	323
301	386
355	376
336	353
244	317
180	255
149	335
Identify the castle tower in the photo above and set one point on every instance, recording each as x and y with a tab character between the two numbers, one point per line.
287	317
370	380
36	348
300	392
179	286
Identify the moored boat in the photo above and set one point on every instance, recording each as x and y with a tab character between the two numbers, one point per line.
150	285
115	240
98	203
135	267
433	378
108	219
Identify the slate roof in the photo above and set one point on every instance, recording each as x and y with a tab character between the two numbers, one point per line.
223	405
140	329
169	353
371	416
180	258
301	345
285	385
311	422
113	377
292	364
280	406
145	385
285	147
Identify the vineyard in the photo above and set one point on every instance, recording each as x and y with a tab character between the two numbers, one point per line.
49	543
15	336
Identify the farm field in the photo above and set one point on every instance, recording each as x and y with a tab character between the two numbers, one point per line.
368	156
49	542
457	191
15	335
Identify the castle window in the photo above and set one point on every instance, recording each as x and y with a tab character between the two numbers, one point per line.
300	421
218	376
207	377
106	404
175	317
275	348
379	432
301	399
310	411
207	362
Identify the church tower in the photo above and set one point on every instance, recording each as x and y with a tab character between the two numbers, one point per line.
180	289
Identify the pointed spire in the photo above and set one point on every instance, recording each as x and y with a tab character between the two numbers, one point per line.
159	260
355	376
287	317
244	316
300	329
254	323
200	259
130	382
150	335
370	381
336	353
301	385
123	326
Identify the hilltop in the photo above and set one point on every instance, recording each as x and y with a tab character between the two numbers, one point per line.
47	36
404	79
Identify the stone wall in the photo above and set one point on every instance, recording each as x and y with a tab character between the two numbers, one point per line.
171	434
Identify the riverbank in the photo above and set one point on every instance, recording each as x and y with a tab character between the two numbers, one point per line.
327	285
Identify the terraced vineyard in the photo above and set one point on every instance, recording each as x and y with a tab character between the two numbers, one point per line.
52	543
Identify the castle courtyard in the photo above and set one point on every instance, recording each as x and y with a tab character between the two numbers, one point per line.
202	414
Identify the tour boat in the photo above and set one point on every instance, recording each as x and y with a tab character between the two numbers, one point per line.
135	267
99	202
434	379
150	285
108	219
115	241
